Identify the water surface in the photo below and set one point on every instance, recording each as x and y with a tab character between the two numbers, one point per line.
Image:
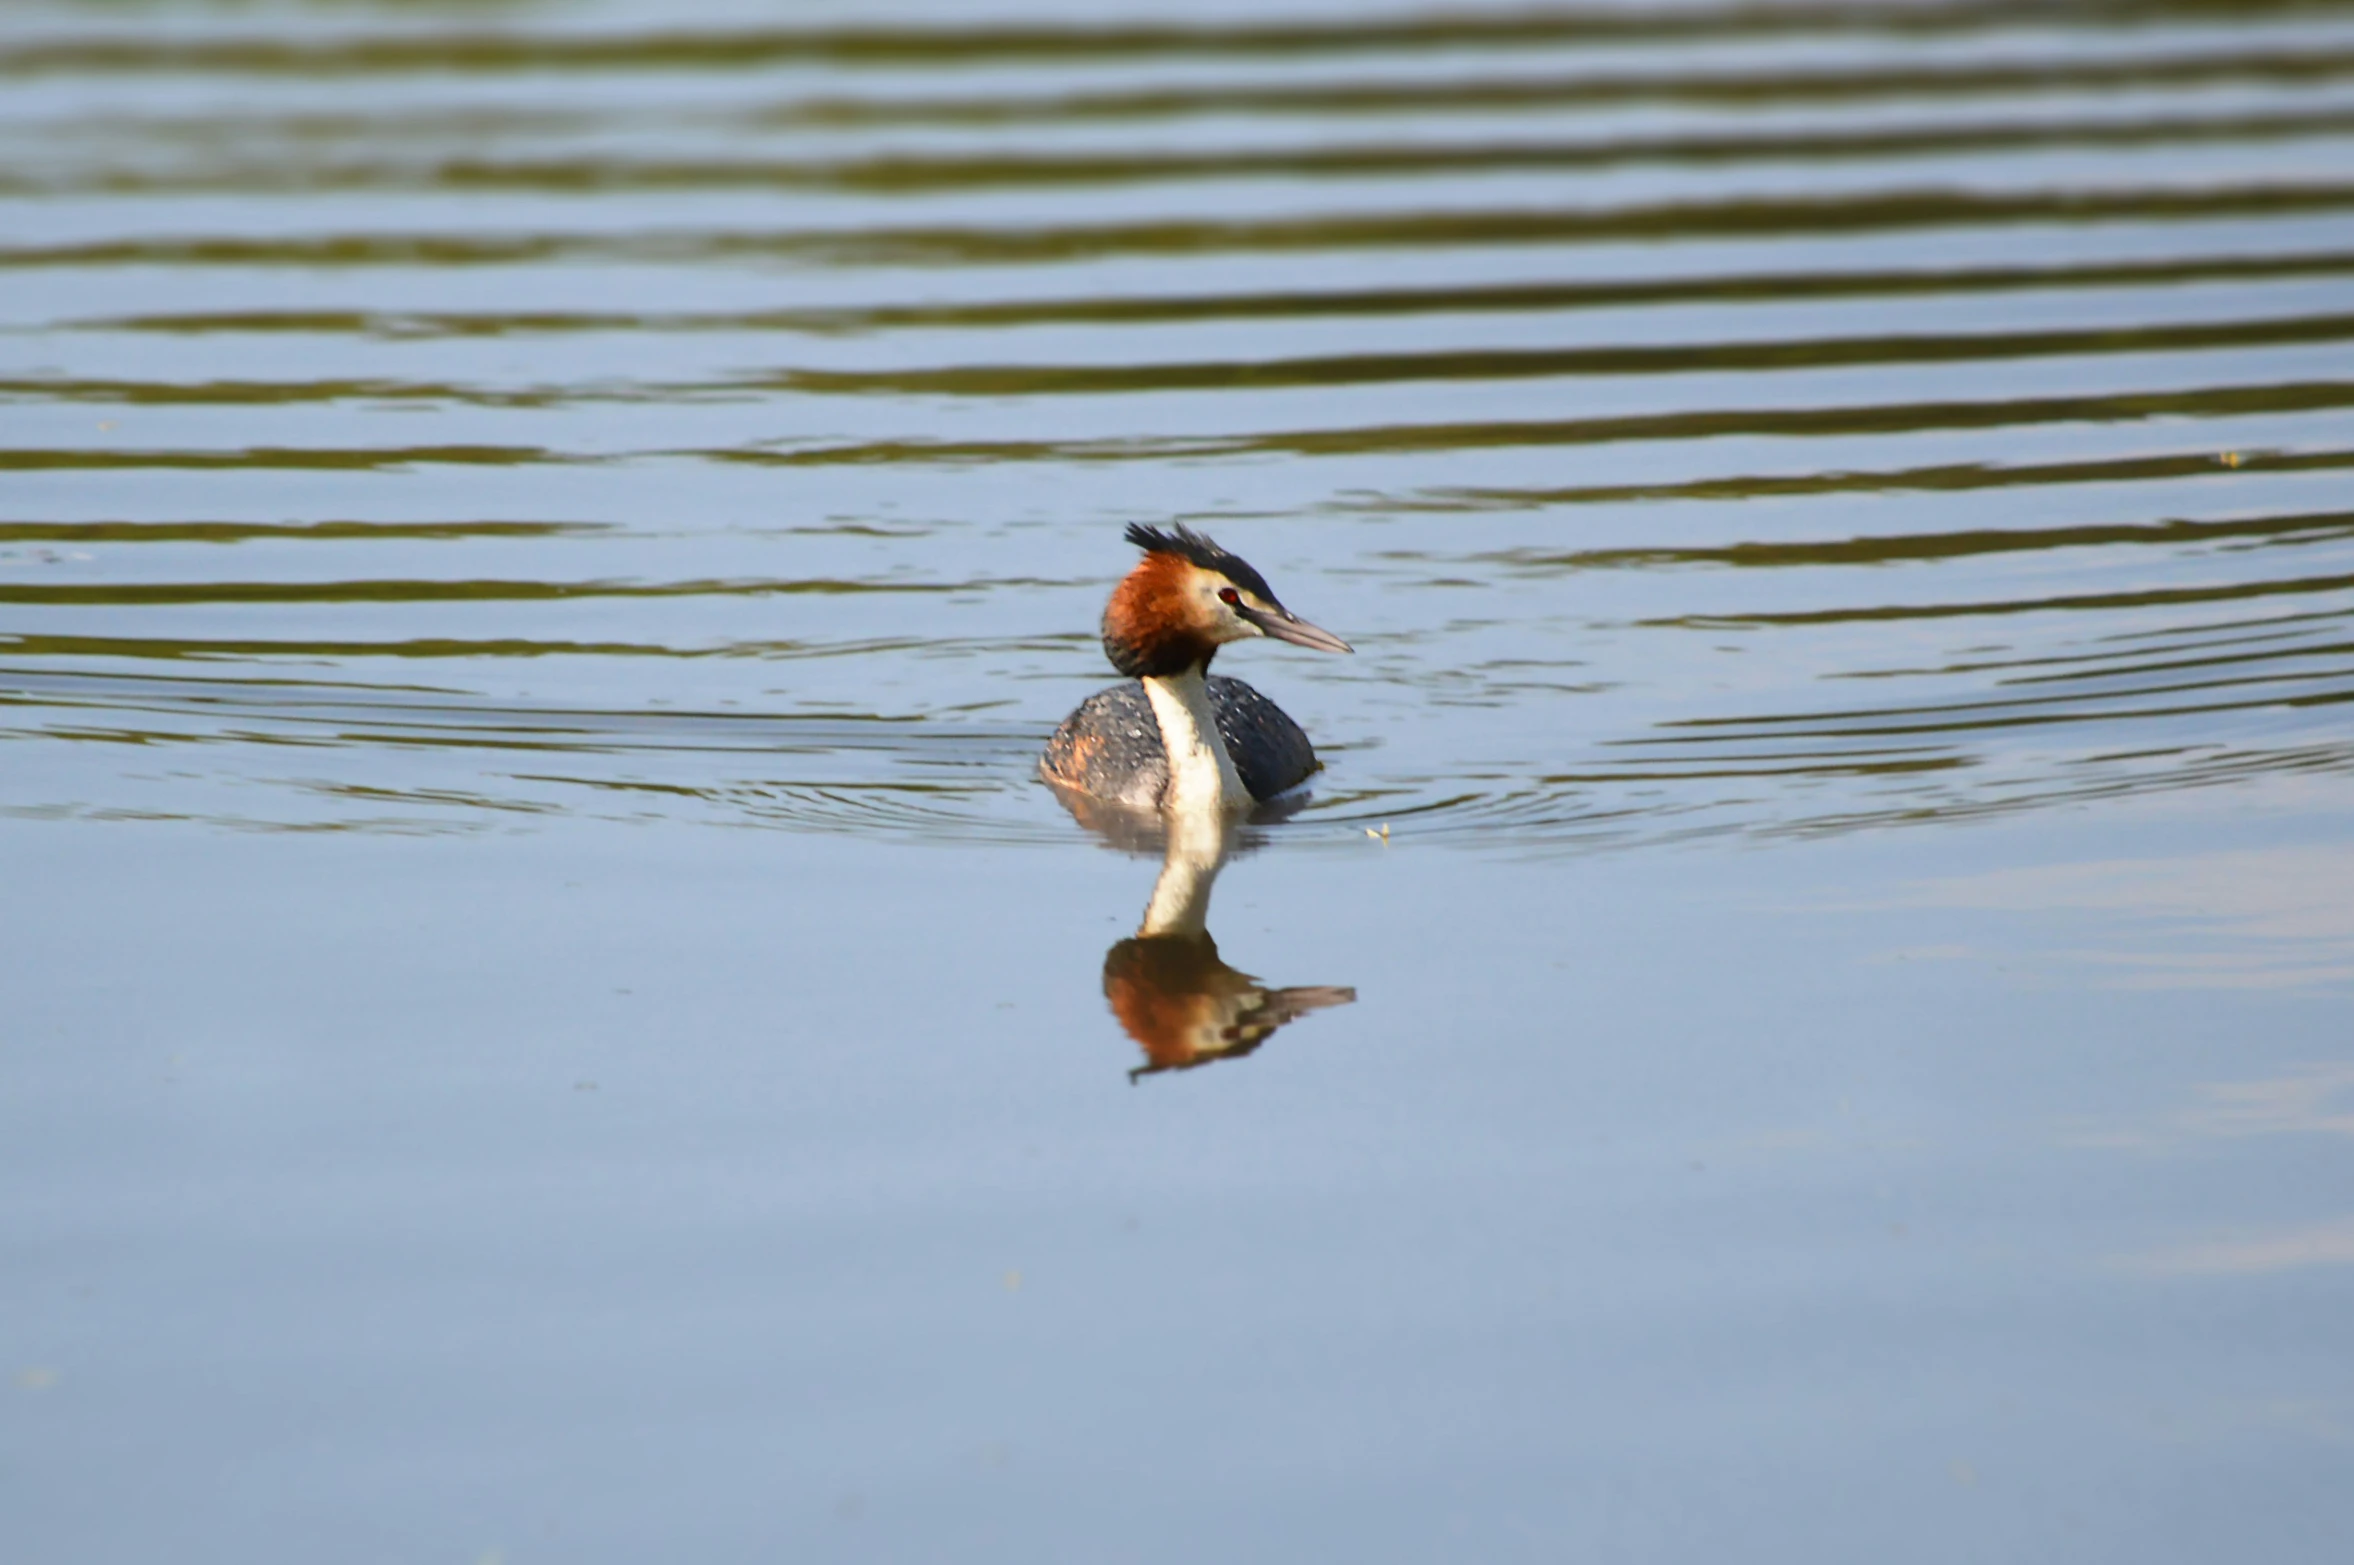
538	548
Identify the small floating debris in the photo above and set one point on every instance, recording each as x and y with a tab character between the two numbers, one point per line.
1383	834
2231	459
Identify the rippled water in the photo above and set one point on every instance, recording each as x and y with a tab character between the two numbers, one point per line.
1699	419
1712	425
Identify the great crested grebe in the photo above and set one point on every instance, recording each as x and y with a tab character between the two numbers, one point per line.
1176	738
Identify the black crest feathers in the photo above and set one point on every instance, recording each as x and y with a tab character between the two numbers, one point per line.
1195	549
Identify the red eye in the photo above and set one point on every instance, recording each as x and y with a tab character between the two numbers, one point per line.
1229	597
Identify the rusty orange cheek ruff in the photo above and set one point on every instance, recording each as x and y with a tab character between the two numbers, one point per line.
1151	625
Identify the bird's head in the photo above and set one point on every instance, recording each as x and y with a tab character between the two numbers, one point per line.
1187	598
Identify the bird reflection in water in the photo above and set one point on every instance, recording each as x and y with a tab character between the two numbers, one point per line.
1166	984
1194	754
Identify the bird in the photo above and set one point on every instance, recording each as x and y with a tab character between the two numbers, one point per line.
1175	738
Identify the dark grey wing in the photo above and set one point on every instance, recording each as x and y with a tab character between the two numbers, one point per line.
1268	748
1110	748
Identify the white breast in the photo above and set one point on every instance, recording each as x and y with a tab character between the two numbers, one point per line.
1201	773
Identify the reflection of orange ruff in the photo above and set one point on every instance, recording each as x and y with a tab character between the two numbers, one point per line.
1185	1008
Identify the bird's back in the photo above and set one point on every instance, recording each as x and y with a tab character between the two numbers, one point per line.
1111	749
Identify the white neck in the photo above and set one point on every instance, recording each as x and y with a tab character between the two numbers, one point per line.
1201	773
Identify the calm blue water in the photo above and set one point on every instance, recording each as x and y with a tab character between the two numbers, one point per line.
551	1019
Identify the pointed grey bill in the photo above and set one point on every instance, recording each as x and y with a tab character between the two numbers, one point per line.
1284	625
